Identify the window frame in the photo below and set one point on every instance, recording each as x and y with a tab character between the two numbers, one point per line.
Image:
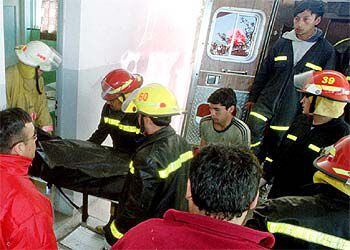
256	42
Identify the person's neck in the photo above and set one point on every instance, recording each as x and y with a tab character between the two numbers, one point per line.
306	37
319	119
224	124
239	220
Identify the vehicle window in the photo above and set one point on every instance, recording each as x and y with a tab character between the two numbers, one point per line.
235	34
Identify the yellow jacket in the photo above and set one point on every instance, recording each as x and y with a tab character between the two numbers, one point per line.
21	92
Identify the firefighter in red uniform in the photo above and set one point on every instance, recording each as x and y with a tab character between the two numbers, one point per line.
320	218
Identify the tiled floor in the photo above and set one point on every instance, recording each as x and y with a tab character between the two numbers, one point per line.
65	224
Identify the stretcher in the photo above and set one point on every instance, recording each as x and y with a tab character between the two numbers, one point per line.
80	166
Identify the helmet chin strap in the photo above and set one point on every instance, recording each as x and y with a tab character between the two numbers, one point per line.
37	79
313	104
142	125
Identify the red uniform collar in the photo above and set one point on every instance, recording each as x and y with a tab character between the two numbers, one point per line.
14	164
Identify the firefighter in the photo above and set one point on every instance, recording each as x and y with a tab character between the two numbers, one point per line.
321	124
273	100
25	84
159	169
320	218
123	128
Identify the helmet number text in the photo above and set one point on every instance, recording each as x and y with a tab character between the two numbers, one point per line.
143	96
328	80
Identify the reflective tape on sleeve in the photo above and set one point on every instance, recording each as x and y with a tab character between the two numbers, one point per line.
131	167
259	116
292	137
280	128
313	66
115	231
348	78
175	165
126	128
309	235
255	144
314	148
268	159
280	58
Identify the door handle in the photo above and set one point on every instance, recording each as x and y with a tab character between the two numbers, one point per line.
234	72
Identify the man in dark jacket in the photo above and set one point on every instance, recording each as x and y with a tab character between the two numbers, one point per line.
320	218
325	96
116	87
273	99
159	169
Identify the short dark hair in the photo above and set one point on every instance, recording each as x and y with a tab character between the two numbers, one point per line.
224	180
224	96
12	122
315	6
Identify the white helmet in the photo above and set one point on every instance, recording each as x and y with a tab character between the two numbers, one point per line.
37	53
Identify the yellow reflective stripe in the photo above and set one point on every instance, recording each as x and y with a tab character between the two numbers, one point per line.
280	128
292	137
341	41
255	144
172	167
126	128
131	129
257	115
308	235
131	167
348	78
115	231
331	88
313	66
268	159
314	148
341	171
111	121
280	58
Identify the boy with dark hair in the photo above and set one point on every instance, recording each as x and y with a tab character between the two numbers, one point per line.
273	101
25	214
221	126
222	187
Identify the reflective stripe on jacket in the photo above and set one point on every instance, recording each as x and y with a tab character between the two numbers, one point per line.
156	181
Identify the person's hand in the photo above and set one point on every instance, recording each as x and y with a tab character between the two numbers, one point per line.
249	105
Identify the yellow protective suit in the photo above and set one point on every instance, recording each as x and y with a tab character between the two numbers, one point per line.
21	92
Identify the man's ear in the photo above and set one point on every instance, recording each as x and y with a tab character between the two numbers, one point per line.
231	109
18	149
255	201
317	20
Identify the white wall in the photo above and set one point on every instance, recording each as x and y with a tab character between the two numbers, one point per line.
154	38
2	61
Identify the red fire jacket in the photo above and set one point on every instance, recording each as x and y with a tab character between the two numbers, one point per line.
25	214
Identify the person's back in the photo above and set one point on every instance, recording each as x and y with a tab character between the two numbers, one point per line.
25	214
182	230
